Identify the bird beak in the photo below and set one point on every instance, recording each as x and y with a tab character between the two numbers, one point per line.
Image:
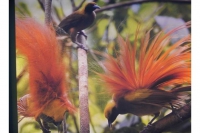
96	7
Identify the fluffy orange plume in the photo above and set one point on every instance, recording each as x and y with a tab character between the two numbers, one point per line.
47	80
155	64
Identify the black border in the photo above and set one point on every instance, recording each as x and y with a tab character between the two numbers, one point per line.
13	124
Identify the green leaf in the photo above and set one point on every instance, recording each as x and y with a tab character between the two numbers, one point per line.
23	8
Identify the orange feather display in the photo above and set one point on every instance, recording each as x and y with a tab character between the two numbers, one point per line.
137	78
47	80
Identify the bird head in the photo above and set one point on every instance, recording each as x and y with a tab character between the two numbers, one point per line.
111	112
90	7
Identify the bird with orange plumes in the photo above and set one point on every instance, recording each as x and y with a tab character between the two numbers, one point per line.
48	99
144	80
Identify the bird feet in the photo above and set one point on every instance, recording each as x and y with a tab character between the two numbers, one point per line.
45	130
81	46
45	127
174	110
82	33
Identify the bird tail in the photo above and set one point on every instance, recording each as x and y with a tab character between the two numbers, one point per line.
183	95
47	70
153	64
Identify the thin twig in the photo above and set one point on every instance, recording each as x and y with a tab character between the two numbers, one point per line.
21	74
92	124
41	2
128	3
80	5
74	7
73	4
75	122
170	120
83	86
57	13
64	123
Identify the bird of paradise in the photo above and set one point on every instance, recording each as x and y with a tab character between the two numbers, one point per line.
137	78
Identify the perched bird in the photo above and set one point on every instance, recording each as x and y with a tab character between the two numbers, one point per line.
79	20
144	80
47	99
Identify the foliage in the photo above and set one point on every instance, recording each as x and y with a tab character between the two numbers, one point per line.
102	38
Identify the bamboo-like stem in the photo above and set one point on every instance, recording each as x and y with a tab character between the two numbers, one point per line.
83	86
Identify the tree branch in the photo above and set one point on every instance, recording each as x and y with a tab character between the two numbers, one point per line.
83	86
47	7
128	3
169	120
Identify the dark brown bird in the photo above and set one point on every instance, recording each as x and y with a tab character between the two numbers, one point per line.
79	20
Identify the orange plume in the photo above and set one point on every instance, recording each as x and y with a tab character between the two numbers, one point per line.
151	67
137	77
47	80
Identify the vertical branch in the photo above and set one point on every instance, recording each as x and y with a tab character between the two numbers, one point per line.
47	7
83	86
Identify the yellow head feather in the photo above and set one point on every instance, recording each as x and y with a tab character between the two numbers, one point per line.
108	109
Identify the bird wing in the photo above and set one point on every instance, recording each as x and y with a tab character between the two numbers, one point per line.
71	21
151	97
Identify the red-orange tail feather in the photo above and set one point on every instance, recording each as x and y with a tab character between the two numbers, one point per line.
153	67
46	67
